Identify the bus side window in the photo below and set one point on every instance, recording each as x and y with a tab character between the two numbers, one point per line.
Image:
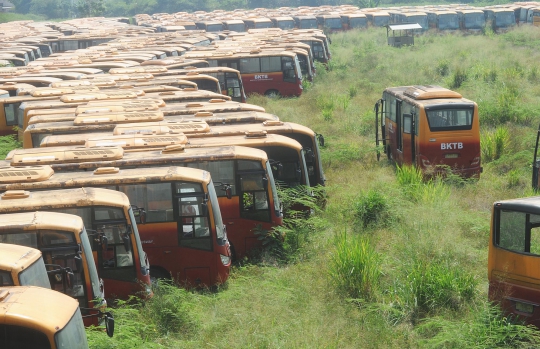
6	279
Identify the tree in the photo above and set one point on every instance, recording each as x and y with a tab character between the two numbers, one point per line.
22	6
90	8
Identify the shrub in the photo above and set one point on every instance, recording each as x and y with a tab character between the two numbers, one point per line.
489	328
355	267
371	208
439	284
172	309
494	144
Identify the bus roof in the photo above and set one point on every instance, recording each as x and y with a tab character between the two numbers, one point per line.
38	156
104	176
163	156
29	221
25	306
16	258
421	92
78	196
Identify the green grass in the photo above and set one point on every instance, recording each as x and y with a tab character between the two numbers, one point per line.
413	251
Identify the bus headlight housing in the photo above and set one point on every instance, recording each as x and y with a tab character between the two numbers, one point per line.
225	260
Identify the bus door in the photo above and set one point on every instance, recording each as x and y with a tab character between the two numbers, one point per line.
233	87
254	203
194	231
408	139
536	163
398	153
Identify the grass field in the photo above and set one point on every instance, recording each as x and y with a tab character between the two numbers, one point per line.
391	262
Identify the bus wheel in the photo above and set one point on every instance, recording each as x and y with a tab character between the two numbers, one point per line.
272	93
159	274
233	252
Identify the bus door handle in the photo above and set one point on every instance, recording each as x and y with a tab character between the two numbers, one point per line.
230	223
167	252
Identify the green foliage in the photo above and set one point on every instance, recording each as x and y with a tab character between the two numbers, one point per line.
372	209
7	144
172	310
90	8
458	78
493	144
282	244
355	267
489	328
428	287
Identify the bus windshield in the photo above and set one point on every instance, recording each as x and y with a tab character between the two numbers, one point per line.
35	275
448	21
10	111
450	119
333	23
505	19
474	20
142	254
277	203
72	335
114	256
518	232
60	249
94	278
220	232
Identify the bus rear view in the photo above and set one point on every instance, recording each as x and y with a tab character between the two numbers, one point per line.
430	127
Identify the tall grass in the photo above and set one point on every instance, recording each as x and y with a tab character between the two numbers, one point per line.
421	276
488	328
355	267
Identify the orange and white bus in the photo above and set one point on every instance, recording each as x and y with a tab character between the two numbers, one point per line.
22	266
64	243
265	73
120	259
430	127
183	233
35	317
229	78
242	177
513	256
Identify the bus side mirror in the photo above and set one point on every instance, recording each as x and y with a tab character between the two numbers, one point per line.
109	324
299	175
320	138
265	181
139	213
228	191
78	261
125	240
69	277
310	156
104	242
204	209
277	169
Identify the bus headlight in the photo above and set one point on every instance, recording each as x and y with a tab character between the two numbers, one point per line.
225	260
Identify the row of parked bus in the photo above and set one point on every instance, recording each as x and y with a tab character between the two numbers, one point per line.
345	17
270	62
135	172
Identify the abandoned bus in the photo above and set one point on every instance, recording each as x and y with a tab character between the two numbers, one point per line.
229	79
22	266
514	252
265	73
119	257
64	243
430	127
35	317
242	177
182	234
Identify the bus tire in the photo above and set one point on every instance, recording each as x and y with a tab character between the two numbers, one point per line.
233	252
159	274
272	93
